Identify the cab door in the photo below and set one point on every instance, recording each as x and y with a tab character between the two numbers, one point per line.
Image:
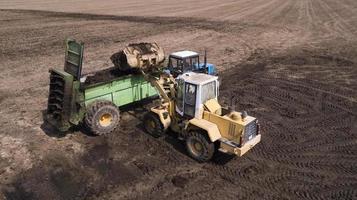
190	100
180	96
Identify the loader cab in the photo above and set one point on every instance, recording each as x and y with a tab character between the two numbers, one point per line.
194	89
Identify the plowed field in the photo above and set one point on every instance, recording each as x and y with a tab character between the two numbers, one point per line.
292	64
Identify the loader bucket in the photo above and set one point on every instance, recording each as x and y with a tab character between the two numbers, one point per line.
141	56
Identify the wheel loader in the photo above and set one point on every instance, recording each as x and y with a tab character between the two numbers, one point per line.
190	108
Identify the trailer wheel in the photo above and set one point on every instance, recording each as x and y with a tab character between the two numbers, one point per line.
102	117
199	147
153	125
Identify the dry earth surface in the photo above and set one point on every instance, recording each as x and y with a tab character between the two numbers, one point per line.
292	64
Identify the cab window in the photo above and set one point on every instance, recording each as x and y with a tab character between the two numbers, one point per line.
194	61
173	63
209	91
186	64
190	99
180	90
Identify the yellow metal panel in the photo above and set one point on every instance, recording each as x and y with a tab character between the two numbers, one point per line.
213	106
228	128
160	112
221	123
242	150
211	128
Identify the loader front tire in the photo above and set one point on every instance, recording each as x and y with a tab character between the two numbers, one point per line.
199	147
153	125
102	117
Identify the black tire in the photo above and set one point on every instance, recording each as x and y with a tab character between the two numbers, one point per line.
102	117
153	125
196	139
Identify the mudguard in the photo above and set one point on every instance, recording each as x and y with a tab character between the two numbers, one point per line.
211	128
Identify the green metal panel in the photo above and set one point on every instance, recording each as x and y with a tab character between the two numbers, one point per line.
122	91
68	77
151	90
123	97
98	91
74	58
78	109
102	97
136	92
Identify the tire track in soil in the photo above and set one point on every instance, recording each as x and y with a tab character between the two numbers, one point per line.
307	144
336	23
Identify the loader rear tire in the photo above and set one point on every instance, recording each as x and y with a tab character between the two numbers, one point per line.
199	146
153	125
102	117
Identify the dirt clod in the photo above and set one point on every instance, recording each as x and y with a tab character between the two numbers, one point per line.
179	181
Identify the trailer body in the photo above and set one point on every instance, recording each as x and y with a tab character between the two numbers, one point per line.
70	94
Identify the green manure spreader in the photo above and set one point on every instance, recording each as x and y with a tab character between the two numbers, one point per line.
94	100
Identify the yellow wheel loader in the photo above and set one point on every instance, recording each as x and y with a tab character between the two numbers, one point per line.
190	108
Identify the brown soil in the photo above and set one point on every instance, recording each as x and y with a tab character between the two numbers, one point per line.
105	75
292	64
